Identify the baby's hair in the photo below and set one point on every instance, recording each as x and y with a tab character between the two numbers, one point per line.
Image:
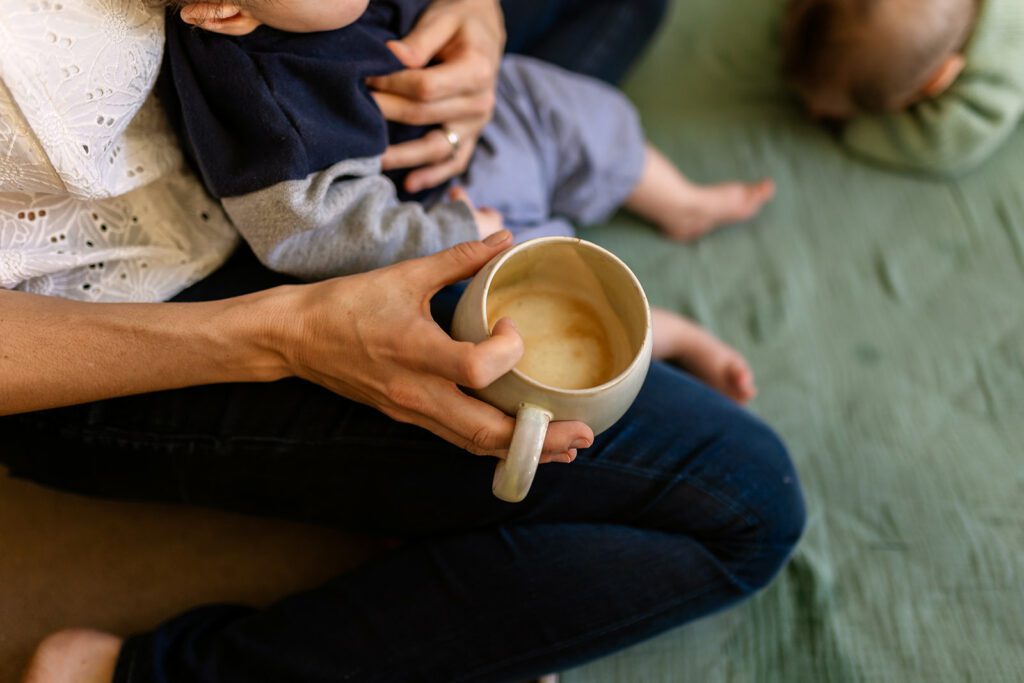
877	51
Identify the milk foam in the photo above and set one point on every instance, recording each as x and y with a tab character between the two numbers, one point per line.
573	339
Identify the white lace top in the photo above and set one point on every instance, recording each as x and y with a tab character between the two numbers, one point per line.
95	201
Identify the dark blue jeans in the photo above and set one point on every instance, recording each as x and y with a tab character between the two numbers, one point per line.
600	38
687	506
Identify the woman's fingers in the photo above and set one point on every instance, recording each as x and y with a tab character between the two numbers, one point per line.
446	80
477	106
432	176
429	36
430	273
478	427
432	148
474	366
466	38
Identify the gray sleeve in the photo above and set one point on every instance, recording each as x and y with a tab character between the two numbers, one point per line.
346	219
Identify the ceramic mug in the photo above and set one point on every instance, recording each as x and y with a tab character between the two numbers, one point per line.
586	325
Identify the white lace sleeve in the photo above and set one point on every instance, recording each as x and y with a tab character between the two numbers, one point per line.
95	203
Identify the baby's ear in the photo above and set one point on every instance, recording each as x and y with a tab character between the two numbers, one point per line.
225	18
943	77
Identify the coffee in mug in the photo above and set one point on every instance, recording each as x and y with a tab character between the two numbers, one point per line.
586	329
570	341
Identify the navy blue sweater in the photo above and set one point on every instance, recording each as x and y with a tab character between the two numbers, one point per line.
256	110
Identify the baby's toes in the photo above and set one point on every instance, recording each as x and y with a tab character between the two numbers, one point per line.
740	381
756	195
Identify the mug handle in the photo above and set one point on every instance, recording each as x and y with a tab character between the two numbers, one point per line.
514	475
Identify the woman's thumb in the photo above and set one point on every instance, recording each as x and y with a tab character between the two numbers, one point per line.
464	260
425	40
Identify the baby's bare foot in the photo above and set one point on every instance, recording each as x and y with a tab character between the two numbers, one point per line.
722	368
738	379
703	355
706	207
74	656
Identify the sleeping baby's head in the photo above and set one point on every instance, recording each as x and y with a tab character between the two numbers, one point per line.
850	57
239	17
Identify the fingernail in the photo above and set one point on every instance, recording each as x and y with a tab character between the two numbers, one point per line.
580	443
565	458
497	238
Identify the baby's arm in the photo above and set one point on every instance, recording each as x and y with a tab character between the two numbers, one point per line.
947	136
346	219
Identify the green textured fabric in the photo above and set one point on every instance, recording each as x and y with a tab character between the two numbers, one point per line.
959	130
884	316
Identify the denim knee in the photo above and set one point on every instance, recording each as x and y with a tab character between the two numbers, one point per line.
776	502
650	12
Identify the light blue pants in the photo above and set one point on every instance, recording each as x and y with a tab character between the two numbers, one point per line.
563	150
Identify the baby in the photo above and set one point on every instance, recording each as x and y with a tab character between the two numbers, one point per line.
935	86
271	101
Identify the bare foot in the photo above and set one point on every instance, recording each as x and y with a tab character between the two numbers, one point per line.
74	656
705	356
705	207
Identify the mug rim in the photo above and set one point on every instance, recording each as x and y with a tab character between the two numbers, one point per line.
638	357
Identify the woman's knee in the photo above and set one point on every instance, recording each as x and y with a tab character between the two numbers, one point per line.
773	504
650	12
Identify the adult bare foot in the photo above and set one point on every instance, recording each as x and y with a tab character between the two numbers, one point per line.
703	355
74	656
705	207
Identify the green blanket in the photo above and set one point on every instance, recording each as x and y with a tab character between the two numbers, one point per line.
884	315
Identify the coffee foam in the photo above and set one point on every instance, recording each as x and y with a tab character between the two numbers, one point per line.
572	337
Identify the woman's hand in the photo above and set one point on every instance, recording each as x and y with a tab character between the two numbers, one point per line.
370	337
467	38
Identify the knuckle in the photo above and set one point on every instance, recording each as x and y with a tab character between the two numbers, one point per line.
484	105
425	89
418	115
439	144
474	370
462	252
482	74
406	396
484	441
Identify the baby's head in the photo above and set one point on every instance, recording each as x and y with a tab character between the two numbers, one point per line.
850	57
239	17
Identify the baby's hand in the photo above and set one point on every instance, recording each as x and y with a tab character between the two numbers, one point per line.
488	221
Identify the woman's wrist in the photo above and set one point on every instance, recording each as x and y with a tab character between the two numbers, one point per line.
60	352
253	337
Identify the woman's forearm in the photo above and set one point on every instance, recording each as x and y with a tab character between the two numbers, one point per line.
55	352
367	337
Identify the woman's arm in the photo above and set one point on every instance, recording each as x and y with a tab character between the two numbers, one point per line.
56	352
367	337
466	38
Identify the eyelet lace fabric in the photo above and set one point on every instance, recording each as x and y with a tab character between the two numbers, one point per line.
95	200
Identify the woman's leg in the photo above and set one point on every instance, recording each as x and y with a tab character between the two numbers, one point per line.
688	505
601	38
